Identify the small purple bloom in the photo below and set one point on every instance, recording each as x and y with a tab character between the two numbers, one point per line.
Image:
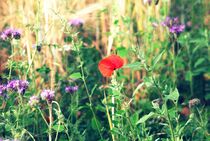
47	95
34	100
19	86
166	22
77	22
3	36
16	34
3	90
71	89
177	28
10	33
173	25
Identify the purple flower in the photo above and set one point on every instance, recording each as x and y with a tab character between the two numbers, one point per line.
77	22
19	86
173	25
3	36
10	33
16	34
3	90
177	28
71	89
48	95
34	100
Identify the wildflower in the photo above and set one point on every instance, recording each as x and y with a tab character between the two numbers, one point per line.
3	89
19	86
71	89
10	33
77	22
16	34
185	111
194	102
34	100
109	64
48	95
173	25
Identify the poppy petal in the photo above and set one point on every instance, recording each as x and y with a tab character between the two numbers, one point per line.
106	67
116	61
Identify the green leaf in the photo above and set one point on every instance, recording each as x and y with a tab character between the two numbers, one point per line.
75	75
58	128
115	131
199	62
135	66
137	88
95	124
120	112
122	51
188	75
174	95
134	118
145	118
157	58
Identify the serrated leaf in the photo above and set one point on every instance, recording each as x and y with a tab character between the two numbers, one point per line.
145	118
75	75
174	95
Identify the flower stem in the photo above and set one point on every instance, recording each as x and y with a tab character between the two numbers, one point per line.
109	117
89	98
50	123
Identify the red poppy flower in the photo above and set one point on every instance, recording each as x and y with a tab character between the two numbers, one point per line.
109	64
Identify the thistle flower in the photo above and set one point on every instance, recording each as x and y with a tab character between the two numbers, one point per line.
194	102
19	86
48	95
3	89
173	25
77	22
71	89
10	33
34	100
